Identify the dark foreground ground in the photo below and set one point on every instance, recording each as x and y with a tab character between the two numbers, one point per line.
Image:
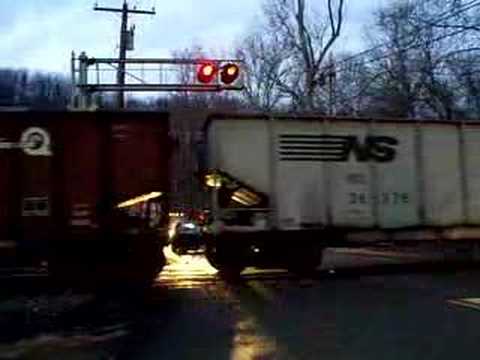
362	304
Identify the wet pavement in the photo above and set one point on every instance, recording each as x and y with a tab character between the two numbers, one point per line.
362	304
389	307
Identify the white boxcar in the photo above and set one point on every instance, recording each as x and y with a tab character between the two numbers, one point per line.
285	188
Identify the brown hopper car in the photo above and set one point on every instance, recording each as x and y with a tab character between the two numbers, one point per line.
86	192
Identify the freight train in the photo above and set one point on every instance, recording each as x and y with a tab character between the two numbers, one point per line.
283	187
89	193
86	193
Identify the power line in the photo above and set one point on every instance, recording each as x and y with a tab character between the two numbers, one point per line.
434	40
360	94
442	17
453	77
386	56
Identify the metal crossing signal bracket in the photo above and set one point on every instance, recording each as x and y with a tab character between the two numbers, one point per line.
91	75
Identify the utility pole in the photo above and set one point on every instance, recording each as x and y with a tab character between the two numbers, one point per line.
125	37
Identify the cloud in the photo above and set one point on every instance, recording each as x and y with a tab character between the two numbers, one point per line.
40	34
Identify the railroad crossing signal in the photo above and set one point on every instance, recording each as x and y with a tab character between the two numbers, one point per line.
191	75
208	71
230	73
90	75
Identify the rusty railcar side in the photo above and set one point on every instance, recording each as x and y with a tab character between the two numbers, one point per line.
63	176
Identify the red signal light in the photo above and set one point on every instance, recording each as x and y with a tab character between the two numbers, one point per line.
207	72
230	73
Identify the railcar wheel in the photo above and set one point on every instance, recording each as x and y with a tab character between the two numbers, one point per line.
226	269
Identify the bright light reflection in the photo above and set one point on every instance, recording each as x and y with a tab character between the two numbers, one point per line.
214	181
186	271
189	226
208	70
250	340
232	70
139	200
171	232
239	200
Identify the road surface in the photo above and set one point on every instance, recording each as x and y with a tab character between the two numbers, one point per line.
362	304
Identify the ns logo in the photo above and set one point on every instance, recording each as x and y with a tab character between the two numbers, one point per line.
337	148
381	149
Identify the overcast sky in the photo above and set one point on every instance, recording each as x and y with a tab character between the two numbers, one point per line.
40	34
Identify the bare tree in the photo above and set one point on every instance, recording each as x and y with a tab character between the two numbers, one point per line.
302	37
8	80
413	61
263	59
465	76
423	62
354	87
37	90
462	14
397	82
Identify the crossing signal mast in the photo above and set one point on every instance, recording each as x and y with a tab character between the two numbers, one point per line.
170	74
126	41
